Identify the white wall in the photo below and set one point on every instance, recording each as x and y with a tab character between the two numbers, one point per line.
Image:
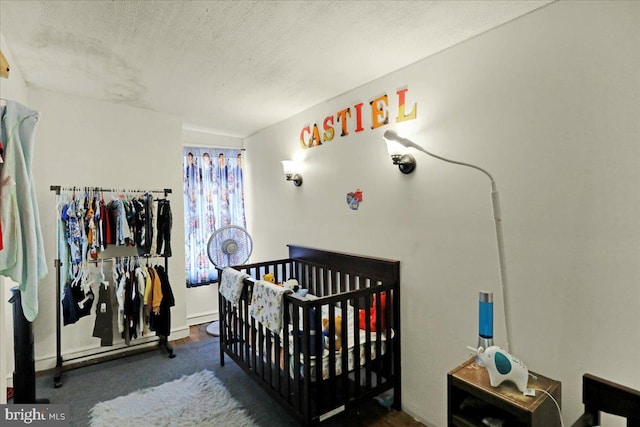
87	143
13	88
549	104
202	301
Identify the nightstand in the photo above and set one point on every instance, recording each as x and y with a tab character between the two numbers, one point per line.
471	399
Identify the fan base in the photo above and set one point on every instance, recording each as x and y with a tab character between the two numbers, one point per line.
213	328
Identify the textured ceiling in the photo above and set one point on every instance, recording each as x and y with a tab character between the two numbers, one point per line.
233	67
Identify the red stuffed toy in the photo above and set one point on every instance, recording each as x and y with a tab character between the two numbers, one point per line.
372	314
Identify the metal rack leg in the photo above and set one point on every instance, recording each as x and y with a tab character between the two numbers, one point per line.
57	378
164	342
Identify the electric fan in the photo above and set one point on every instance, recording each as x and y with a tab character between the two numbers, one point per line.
229	245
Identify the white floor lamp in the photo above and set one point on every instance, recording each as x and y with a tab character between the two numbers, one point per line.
406	163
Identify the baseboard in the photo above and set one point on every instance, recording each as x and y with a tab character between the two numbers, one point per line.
48	362
199	319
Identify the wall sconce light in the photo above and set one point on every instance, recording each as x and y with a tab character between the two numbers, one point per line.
292	172
398	152
393	138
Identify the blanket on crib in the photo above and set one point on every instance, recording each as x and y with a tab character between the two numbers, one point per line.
231	284
266	304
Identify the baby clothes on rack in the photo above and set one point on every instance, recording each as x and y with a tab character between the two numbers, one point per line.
78	299
91	224
160	319
103	327
164	228
87	226
72	230
143	223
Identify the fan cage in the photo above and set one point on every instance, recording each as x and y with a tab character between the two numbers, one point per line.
230	245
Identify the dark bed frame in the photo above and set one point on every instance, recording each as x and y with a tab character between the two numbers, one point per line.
600	395
339	280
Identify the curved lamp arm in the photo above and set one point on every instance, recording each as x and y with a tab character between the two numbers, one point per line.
392	136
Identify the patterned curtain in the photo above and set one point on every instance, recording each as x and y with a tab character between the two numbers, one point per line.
213	198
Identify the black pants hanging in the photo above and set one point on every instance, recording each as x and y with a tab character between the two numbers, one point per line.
103	327
164	228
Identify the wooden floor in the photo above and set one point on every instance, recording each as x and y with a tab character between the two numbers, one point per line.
372	415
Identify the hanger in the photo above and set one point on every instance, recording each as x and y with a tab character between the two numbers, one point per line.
77	276
103	280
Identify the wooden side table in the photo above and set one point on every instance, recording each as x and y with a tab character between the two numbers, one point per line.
471	399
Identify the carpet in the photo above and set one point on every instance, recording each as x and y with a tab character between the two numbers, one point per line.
199	399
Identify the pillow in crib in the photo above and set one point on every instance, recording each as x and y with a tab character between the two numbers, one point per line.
362	324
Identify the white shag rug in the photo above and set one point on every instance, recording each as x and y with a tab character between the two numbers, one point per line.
195	400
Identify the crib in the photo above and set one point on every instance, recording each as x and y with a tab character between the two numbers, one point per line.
338	347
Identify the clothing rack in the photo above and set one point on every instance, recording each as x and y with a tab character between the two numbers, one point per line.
110	353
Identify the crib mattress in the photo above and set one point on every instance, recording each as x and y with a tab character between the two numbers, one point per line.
356	357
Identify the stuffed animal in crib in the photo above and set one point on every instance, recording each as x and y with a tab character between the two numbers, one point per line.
338	327
269	278
291	284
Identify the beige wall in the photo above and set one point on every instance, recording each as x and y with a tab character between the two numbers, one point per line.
549	104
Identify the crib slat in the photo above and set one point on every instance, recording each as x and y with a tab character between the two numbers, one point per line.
323	284
254	337
356	344
221	323
297	400
246	330
317	337
331	344
306	376
380	316
367	342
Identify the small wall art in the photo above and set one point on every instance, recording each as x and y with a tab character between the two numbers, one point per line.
354	199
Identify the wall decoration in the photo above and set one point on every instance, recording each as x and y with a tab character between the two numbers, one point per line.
354	199
310	135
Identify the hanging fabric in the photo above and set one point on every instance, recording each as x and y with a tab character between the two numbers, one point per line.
24	260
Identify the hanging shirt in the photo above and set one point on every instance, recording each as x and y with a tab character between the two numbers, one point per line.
24	260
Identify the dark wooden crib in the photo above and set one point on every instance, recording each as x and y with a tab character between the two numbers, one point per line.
363	291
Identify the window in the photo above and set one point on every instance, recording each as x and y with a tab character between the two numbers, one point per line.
213	198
